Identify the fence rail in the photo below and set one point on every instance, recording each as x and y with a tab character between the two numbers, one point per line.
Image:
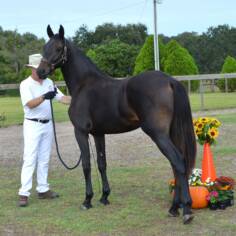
189	78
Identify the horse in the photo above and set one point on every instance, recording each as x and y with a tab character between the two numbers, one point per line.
153	101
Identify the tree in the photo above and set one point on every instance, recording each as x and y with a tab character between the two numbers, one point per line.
83	38
229	66
114	58
178	61
133	34
145	58
14	51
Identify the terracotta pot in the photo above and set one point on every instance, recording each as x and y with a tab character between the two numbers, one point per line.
198	195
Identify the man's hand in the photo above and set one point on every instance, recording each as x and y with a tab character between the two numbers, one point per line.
50	95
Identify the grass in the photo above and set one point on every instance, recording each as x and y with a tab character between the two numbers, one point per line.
139	204
213	101
12	108
139	197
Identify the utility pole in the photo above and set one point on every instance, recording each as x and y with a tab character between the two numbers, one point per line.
156	46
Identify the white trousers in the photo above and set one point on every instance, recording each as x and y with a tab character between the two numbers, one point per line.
37	150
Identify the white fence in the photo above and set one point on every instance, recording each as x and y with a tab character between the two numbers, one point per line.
204	79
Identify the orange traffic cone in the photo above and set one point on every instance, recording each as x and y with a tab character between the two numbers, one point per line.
208	168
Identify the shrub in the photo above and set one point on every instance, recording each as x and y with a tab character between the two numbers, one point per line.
229	66
145	58
178	61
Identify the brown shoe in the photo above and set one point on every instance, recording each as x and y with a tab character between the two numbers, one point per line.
48	195
23	201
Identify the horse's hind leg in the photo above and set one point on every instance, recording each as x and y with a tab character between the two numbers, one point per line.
174	209
102	165
158	130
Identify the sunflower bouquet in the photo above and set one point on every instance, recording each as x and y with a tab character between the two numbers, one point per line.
206	129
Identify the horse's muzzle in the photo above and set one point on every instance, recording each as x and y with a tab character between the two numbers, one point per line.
42	74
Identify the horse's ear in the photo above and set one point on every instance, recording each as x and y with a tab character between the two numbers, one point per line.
61	32
50	32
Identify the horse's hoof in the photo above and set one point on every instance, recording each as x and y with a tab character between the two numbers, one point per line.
173	213
187	218
104	201
85	207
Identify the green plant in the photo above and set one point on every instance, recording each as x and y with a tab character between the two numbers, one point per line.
213	197
178	61
228	67
2	119
145	58
206	129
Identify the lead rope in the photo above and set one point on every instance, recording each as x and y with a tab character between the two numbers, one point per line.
57	149
95	164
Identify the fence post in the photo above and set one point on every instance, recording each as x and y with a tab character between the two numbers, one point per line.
202	95
213	85
189	86
226	85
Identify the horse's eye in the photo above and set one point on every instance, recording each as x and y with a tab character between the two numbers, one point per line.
59	49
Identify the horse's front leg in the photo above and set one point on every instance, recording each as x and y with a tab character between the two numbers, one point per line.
82	139
102	166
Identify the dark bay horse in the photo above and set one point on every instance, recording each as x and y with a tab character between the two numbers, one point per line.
102	105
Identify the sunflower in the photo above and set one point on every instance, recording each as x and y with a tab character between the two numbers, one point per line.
213	133
215	122
198	131
204	120
195	121
199	125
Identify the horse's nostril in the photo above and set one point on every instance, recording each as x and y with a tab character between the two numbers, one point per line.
42	71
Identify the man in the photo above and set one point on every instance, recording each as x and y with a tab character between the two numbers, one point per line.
38	131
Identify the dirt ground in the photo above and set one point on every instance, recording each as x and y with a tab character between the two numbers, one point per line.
122	149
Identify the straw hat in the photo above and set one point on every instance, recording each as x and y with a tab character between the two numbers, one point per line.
34	61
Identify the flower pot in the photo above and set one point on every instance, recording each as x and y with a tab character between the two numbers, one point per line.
222	205
213	206
198	195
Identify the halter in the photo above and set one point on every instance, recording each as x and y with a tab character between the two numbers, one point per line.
62	59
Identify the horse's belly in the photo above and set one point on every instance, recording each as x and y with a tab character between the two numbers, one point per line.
114	128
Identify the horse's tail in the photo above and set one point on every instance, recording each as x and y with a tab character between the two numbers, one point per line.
181	131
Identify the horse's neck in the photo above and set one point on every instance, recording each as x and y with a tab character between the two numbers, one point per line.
78	70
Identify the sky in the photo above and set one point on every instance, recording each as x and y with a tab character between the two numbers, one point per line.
173	16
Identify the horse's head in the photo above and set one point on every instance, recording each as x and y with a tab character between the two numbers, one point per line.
54	53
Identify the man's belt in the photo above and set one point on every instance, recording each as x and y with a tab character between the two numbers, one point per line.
38	120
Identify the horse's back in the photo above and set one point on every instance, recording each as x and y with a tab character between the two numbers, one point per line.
153	85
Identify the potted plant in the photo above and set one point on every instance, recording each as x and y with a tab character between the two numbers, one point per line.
206	129
216	194
197	189
212	198
224	187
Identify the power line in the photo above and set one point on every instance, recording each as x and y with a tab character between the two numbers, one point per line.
109	12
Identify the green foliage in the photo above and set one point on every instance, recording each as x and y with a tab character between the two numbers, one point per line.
145	58
178	61
228	67
114	57
14	51
57	75
209	49
132	34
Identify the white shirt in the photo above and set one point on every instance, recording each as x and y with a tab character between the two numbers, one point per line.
30	89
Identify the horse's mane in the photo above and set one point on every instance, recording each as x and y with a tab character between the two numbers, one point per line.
88	67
